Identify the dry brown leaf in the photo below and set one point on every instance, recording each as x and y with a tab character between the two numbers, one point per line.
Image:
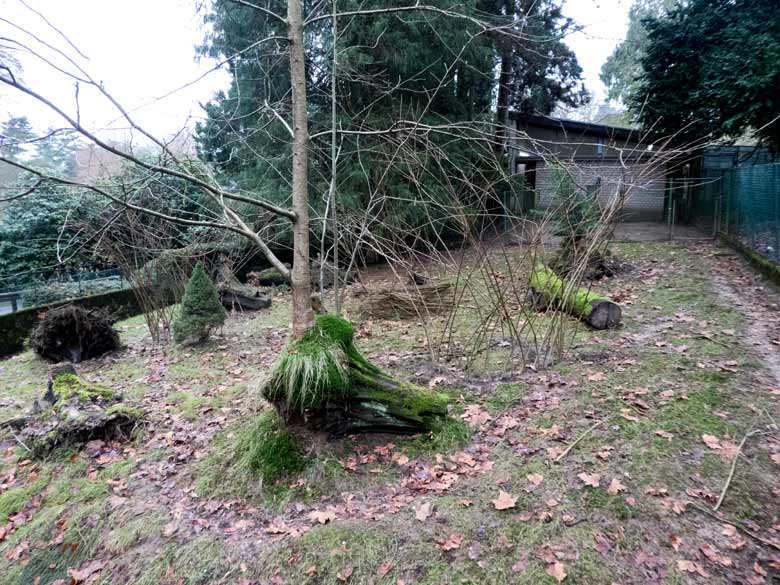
535	478
711	441
452	542
665	434
504	501
423	511
401	459
615	486
475	415
344	574
553	452
86	571
384	569
436	381
714	555
676	541
557	571
675	505
322	516
627	414
686	566
591	479
597	377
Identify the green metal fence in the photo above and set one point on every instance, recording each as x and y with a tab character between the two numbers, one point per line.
749	208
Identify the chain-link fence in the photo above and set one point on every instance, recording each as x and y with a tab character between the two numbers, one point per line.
750	212
60	288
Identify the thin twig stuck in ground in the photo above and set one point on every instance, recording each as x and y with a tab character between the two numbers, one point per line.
749	434
591	428
735	524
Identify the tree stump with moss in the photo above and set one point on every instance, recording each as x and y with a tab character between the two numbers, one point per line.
325	383
73	410
595	310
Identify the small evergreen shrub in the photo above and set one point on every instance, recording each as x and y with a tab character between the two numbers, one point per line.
201	309
268	450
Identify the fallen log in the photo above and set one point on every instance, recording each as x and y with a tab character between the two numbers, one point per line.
407	302
323	382
597	311
272	276
267	277
235	295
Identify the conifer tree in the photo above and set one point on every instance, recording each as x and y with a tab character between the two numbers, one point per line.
201	309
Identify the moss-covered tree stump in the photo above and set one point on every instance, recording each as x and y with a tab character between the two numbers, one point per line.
323	381
595	310
72	410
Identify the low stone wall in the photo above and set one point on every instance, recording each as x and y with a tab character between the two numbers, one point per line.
15	328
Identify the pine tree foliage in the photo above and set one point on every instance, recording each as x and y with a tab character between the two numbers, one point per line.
394	69
201	309
711	71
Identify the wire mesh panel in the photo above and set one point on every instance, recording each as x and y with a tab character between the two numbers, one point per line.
751	208
60	288
705	198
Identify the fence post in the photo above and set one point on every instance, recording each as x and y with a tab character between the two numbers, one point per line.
775	227
669	198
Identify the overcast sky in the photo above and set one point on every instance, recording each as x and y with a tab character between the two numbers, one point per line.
144	49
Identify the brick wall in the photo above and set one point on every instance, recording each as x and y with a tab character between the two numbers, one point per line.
645	183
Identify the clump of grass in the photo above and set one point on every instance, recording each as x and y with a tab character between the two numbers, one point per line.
11	502
268	450
448	435
313	369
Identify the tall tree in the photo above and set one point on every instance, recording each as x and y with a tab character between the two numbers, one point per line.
623	68
57	153
538	71
711	71
444	75
16	134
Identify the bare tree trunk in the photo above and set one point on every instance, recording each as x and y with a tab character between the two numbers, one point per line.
333	164
303	315
504	79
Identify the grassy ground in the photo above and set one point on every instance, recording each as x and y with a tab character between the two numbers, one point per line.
646	421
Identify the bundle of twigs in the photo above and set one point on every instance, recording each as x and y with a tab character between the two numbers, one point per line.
411	301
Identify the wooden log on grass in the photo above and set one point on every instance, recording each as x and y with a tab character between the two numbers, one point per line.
597	311
244	297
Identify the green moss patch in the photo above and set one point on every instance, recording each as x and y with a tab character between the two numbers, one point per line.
67	386
266	449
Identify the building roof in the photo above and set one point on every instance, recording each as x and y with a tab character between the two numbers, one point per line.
576	127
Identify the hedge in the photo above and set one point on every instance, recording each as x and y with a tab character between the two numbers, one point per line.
15	327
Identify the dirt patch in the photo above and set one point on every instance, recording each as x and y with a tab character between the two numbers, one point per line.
759	303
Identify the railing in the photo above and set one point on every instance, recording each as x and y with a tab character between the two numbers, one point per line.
61	288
